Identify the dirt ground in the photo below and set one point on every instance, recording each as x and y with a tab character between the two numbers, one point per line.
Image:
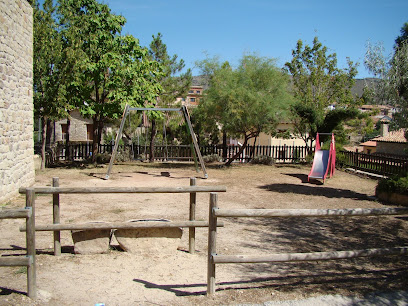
179	278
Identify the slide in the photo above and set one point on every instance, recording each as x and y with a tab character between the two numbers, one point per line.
323	161
320	165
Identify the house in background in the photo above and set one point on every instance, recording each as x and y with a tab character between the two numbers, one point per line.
80	129
369	147
393	143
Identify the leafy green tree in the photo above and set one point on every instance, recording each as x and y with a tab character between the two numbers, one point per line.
244	101
318	84
49	69
109	70
403	37
393	73
173	87
397	82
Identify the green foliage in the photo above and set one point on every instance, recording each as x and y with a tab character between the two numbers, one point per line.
263	160
393	73
397	184
403	38
340	159
109	70
213	158
244	101
49	65
398	84
103	158
317	84
172	87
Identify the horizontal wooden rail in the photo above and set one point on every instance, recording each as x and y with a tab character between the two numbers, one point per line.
298	213
293	257
15	213
215	212
66	190
16	261
119	225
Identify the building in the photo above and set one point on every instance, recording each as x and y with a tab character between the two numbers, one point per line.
16	97
80	128
369	147
392	143
195	94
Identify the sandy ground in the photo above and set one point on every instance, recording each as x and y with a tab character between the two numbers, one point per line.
179	278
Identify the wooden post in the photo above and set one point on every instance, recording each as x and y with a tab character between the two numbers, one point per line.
212	235
193	199
30	240
56	217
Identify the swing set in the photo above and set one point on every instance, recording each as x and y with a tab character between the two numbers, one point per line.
183	110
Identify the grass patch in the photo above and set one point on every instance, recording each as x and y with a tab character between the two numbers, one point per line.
21	270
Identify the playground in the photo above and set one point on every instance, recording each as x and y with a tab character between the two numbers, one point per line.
152	277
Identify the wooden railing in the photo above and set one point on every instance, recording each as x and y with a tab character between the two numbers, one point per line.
284	154
29	260
373	163
57	227
215	258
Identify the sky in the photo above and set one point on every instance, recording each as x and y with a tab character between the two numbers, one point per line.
269	28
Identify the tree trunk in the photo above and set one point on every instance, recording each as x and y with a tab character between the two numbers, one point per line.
67	151
152	136
253	148
241	149
43	141
224	146
95	122
48	132
100	128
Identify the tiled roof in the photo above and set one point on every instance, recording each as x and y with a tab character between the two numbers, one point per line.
394	136
354	149
369	143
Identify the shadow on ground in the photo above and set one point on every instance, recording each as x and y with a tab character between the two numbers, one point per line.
327	192
355	276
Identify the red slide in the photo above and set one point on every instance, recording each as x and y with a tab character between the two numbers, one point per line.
324	160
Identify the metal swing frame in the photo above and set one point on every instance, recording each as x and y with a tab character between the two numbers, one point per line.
186	116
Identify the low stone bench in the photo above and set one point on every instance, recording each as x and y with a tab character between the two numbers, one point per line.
154	240
89	242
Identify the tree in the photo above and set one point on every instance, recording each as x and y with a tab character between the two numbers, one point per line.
403	37
109	70
397	82
49	68
393	73
173	87
244	101
318	84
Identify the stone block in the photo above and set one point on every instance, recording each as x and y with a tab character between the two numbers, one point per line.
149	240
89	242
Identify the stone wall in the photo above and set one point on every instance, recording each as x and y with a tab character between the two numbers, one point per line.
16	97
393	148
78	130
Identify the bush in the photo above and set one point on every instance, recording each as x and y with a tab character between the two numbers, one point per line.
103	158
309	158
213	158
397	184
124	156
263	160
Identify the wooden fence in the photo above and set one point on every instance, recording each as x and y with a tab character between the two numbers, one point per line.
216	258
29	260
57	227
374	163
284	154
